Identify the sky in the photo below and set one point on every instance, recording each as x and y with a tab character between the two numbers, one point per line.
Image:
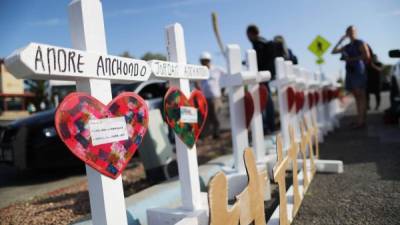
137	26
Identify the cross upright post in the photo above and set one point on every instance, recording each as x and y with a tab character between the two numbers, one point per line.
106	195
240	138
179	75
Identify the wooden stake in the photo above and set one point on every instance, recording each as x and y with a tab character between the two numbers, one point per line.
292	154
218	202
252	197
279	177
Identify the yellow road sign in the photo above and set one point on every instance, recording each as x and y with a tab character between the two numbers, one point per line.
319	46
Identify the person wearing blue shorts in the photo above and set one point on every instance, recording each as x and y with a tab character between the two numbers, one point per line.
356	56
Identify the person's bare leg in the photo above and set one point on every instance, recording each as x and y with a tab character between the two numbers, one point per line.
356	95
363	106
360	98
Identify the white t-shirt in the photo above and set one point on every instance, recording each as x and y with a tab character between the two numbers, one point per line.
211	87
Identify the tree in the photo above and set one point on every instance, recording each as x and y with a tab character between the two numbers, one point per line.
126	54
39	89
150	56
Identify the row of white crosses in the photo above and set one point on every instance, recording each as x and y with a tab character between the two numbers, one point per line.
317	118
235	82
93	70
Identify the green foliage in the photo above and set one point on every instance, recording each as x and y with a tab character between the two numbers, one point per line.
150	56
39	89
126	54
147	56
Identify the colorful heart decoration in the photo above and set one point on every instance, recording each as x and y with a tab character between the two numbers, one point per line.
174	100
84	125
291	95
249	107
299	100
310	100
263	96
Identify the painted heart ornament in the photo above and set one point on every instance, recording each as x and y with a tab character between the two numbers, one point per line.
185	116
291	95
105	137
299	102
248	107
263	96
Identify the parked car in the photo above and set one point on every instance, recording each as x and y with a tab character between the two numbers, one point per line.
33	142
392	114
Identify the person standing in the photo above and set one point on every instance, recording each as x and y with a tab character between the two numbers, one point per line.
356	55
212	91
287	51
266	52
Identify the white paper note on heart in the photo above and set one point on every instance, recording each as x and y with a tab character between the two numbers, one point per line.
188	114
108	130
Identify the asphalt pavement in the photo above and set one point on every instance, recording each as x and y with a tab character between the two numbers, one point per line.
368	192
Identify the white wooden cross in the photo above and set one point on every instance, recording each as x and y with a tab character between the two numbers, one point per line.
281	84
311	84
235	81
299	87
320	107
92	69
179	73
256	124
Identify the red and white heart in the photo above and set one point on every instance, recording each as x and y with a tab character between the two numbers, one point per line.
299	100
263	96
103	136
249	107
291	95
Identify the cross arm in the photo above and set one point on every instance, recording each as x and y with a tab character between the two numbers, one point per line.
46	62
244	78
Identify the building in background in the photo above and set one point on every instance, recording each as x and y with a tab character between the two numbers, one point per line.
13	98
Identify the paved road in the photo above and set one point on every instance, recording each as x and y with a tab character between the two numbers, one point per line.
368	192
17	186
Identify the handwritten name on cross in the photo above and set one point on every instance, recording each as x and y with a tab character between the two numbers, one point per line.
235	82
40	61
